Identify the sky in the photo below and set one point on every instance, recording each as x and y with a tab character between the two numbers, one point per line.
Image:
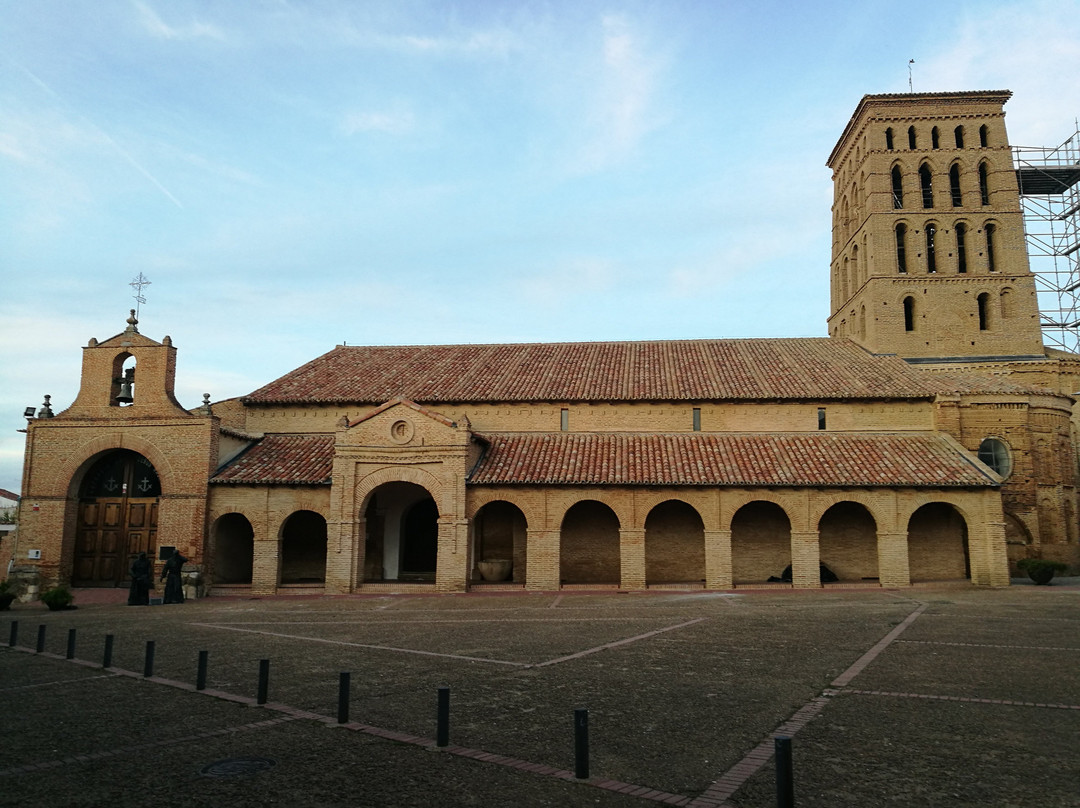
291	175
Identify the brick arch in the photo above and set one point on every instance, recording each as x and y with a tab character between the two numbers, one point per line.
397	474
533	515
81	458
280	523
623	509
904	514
733	505
820	507
702	502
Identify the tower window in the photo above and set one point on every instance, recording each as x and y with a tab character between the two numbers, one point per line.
984	185
820	417
961	248
911	137
934	139
931	253
984	313
995	454
901	251
888	139
983	139
954	186
991	230
897	188
926	182
696	418
909	314
958	133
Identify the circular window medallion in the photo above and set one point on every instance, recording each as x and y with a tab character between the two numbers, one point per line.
401	431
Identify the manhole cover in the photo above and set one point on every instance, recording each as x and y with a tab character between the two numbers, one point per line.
236	767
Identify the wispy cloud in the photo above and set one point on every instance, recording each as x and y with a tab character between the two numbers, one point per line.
394	122
157	27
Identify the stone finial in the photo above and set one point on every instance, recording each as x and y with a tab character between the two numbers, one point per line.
46	410
92	343
132	322
205	408
167	341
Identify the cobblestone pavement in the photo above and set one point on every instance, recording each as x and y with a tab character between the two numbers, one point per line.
931	696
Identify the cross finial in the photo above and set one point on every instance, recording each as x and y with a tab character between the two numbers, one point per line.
138	285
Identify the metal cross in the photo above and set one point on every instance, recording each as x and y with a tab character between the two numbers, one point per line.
138	285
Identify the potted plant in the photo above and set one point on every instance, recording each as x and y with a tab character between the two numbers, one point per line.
1040	570
7	595
57	598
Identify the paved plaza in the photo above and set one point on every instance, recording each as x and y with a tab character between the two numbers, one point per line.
936	696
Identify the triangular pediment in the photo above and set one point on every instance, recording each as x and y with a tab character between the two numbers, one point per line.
404	423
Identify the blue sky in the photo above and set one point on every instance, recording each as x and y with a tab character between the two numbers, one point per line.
294	175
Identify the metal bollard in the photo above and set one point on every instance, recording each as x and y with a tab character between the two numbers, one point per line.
148	665
41	638
71	644
106	658
343	697
785	780
264	681
442	729
14	636
200	674
581	744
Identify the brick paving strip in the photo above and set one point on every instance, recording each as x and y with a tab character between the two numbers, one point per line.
988	645
970	700
716	795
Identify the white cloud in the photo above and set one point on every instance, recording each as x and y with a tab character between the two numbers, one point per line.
393	122
157	27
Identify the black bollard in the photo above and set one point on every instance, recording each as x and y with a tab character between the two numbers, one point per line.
785	780
264	680
41	638
71	644
343	697
581	744
200	674
106	659
442	729
14	636
148	666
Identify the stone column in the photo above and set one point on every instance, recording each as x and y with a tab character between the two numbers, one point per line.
632	558
453	559
805	560
718	573
542	560
893	568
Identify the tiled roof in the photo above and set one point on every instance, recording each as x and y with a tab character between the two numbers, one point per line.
282	460
788	459
698	370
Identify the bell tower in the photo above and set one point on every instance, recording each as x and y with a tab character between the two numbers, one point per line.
928	254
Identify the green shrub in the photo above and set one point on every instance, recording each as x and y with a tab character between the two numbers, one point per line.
1040	570
59	597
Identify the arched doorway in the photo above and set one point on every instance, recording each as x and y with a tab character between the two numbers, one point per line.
402	541
303	549
589	545
847	542
674	544
760	543
234	549
499	531
117	517
938	544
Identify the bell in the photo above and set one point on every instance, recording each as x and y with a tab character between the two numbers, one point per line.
125	396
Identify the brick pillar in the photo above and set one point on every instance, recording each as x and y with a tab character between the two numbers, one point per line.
805	560
542	559
893	568
632	558
718	560
453	559
341	557
264	564
987	554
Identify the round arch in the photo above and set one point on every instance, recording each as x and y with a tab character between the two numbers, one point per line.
847	542
589	551
760	542
674	544
938	543
303	548
232	549
397	474
499	531
401	530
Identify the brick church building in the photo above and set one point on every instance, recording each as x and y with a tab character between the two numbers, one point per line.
928	437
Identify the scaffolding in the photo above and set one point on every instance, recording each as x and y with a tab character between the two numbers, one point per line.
1049	181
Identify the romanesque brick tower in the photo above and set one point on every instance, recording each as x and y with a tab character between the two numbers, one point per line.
928	256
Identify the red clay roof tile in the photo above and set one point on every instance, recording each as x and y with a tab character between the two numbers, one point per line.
282	460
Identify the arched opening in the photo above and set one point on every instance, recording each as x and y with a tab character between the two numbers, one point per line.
848	542
234	549
995	453
984	185
122	393
303	548
909	314
931	248
499	532
935	138
674	544
117	517
897	188
901	248
954	186
991	262
402	534
938	544
889	139
958	134
961	248
983	136
926	184
760	543
911	141
589	545
983	301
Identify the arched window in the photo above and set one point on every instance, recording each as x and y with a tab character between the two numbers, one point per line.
934	138
984	185
954	186
984	311
983	139
961	248
911	137
926	181
901	251
959	134
991	230
1006	304
909	314
931	254
995	454
889	140
897	188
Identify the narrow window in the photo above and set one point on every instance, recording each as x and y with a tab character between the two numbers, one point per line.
931	254
1006	304
990	231
983	140
984	185
934	139
926	181
984	320
909	314
697	419
961	248
888	139
954	186
564	420
820	417
911	137
958	133
901	251
897	188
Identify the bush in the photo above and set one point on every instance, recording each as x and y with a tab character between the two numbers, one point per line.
59	597
1040	570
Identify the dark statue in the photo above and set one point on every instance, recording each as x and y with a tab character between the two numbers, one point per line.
174	589
141	574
